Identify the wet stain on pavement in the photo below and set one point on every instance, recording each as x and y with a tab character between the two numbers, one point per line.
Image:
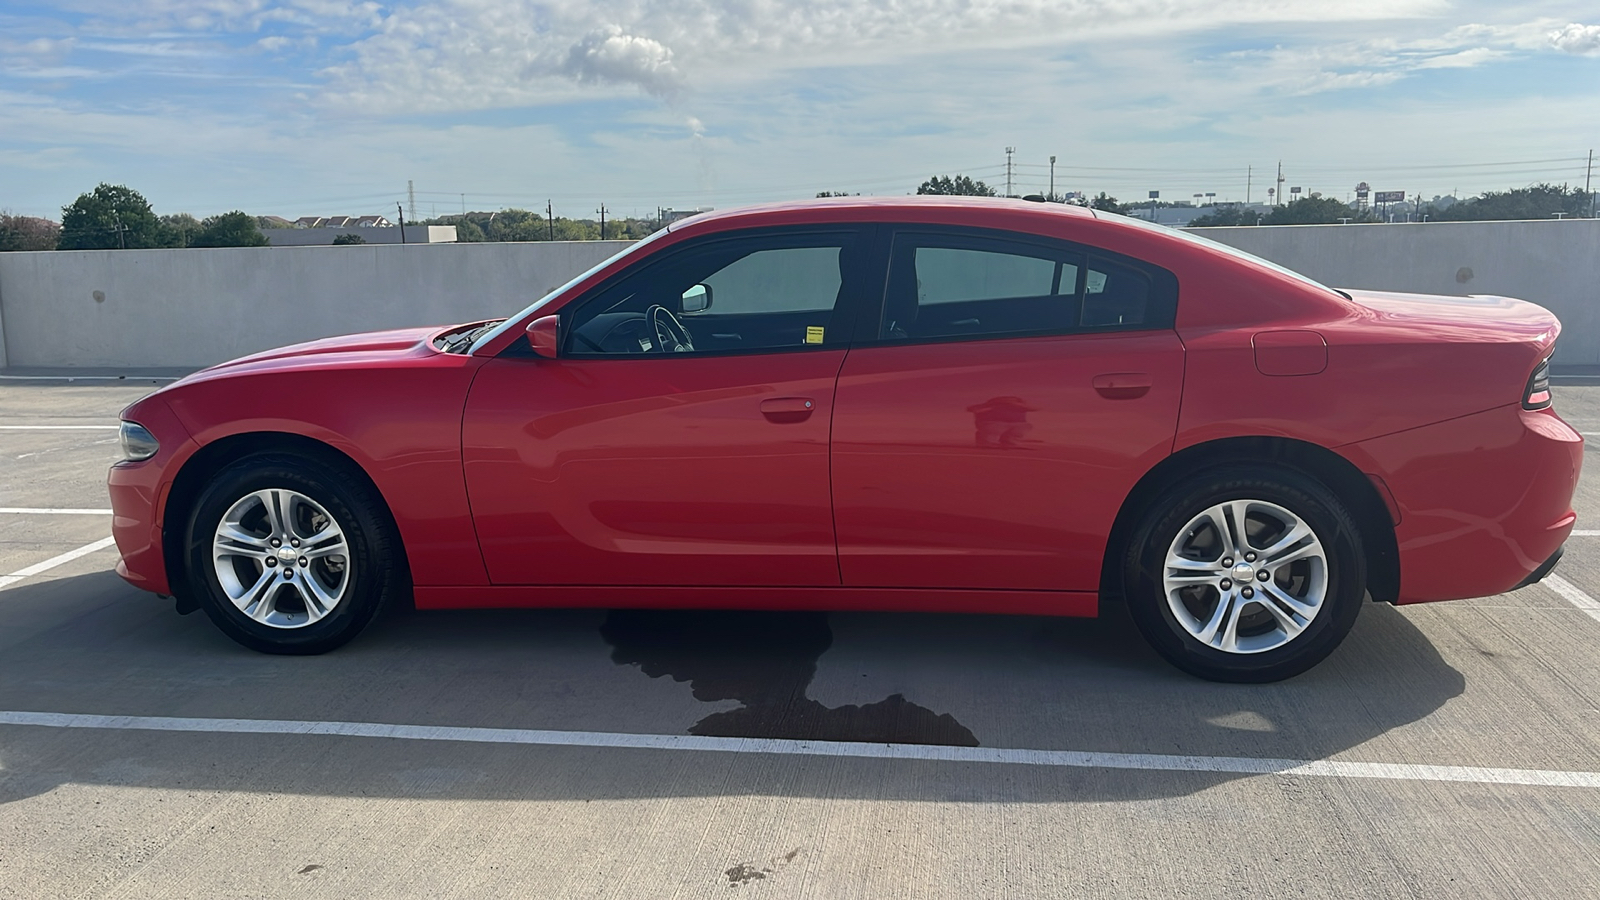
744	873
765	660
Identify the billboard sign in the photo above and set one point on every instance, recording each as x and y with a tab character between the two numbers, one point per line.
1388	196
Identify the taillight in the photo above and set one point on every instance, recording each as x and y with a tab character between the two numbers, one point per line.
1537	396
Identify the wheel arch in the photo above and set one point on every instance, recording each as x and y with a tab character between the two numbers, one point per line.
212	458
1333	471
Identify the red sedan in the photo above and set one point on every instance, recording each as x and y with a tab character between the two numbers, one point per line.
903	404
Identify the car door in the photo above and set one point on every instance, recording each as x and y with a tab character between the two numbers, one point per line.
989	424
635	459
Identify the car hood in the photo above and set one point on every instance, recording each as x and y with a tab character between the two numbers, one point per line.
347	348
1474	318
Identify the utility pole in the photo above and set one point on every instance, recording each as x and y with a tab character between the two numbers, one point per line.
550	218
1009	151
1588	172
411	199
1280	181
401	212
1247	171
116	218
463	206
602	221
1052	196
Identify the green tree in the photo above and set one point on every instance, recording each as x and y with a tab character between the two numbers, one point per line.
109	217
181	229
27	233
960	185
1311	211
1225	216
467	231
1107	203
231	229
348	238
1540	201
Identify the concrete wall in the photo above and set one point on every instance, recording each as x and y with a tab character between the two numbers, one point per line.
174	308
197	307
1555	264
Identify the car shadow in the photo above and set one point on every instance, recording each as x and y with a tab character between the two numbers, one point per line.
89	644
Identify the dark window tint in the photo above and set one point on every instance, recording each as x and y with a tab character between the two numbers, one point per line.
1114	295
723	295
970	284
942	287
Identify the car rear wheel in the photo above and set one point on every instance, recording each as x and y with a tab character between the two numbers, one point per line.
287	555
1246	575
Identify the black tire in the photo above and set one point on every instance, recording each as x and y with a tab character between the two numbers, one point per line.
370	565
1299	494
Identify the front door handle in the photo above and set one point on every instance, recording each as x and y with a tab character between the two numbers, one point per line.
1122	385
788	409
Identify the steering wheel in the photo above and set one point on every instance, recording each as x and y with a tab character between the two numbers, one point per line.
669	332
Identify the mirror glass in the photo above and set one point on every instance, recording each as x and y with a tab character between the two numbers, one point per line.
697	299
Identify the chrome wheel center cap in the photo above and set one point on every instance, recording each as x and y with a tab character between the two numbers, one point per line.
287	555
1242	572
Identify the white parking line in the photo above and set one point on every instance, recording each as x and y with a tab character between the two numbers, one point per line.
58	427
1572	594
1585	534
52	562
1073	759
50	511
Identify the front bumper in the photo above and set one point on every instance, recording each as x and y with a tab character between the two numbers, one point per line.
139	492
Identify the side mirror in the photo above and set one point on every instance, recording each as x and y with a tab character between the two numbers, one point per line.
544	336
697	299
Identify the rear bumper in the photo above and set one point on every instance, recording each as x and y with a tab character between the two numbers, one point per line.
1543	570
1485	500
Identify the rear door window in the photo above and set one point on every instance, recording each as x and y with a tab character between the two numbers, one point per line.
953	285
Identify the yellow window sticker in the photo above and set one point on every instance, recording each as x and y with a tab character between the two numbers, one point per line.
813	334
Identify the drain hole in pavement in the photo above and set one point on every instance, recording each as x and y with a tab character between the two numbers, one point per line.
765	660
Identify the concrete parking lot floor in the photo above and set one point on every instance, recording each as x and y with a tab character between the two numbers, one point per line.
1453	749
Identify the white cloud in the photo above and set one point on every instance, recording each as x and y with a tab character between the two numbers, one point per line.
608	56
486	53
1575	38
1464	59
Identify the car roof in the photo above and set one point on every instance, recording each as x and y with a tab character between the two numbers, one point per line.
841	209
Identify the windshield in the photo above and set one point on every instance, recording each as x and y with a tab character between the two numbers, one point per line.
522	317
1234	252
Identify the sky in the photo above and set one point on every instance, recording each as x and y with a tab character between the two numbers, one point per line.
330	107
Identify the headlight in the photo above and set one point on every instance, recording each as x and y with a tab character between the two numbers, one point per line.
137	442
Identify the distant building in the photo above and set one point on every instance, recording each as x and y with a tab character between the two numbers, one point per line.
375	234
668	216
336	222
273	222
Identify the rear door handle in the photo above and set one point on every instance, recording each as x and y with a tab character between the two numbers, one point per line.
788	409
1122	385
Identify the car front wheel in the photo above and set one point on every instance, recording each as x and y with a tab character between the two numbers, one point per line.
1246	575
287	555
